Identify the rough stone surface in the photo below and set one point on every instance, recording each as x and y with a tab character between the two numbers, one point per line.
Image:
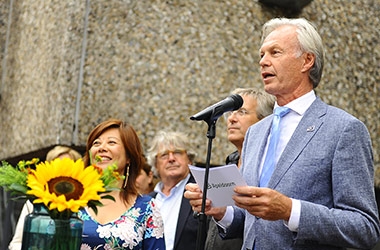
156	63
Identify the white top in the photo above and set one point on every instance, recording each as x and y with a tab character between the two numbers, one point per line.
15	244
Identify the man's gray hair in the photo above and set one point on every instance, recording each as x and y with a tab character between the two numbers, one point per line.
265	101
168	140
309	41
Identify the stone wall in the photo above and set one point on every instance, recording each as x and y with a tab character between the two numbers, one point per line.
67	65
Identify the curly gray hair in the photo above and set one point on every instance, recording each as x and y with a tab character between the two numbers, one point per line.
166	140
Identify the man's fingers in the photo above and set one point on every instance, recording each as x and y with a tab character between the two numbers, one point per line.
193	187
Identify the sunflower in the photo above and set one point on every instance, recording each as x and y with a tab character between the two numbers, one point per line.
65	185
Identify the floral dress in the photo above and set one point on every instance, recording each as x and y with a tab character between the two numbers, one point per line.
140	227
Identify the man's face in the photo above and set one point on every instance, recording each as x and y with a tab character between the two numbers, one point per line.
172	164
239	121
284	68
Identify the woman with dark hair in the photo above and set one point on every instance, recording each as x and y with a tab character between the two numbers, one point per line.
131	221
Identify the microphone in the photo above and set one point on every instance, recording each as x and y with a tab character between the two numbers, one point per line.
232	102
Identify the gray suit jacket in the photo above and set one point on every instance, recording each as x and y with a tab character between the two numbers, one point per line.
328	166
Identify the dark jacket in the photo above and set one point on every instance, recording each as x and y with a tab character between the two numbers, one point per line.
187	225
213	240
233	158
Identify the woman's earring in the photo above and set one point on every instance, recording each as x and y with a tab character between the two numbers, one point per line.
126	176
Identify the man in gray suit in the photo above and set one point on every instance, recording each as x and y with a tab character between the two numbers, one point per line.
320	194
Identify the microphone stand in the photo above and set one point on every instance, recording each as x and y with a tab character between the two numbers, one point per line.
202	226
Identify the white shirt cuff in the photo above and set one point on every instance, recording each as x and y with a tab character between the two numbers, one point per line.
227	219
294	219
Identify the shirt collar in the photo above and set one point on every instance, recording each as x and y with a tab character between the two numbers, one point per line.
302	103
158	187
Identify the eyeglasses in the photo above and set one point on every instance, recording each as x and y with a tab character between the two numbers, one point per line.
165	154
240	112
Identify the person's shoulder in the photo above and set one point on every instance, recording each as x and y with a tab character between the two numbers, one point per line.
233	158
144	198
332	111
340	115
146	203
152	194
83	214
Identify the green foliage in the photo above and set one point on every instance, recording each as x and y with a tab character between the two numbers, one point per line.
14	179
111	177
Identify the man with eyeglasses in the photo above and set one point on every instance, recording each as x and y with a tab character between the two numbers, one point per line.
257	104
170	155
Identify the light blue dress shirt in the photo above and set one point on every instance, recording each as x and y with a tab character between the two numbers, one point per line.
169	208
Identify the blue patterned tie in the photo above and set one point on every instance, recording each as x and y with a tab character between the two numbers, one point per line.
269	163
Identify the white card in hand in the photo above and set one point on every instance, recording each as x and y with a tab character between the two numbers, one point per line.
221	183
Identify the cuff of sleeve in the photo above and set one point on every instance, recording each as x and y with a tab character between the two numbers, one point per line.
227	219
294	219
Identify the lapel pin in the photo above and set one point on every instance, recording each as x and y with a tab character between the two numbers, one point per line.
310	129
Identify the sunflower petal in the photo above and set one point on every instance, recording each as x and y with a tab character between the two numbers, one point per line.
63	184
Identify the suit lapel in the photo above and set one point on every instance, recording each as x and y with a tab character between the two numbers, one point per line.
306	129
184	211
257	142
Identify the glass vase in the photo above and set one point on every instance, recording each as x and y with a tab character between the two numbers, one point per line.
41	232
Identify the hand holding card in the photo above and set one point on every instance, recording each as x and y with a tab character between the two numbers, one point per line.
221	183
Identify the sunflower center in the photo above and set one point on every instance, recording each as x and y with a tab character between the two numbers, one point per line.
69	187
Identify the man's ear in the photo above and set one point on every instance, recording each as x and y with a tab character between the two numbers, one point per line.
309	60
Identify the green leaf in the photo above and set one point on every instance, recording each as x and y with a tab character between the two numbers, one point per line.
110	197
95	209
18	188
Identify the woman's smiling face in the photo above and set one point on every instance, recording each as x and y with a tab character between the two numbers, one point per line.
110	149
